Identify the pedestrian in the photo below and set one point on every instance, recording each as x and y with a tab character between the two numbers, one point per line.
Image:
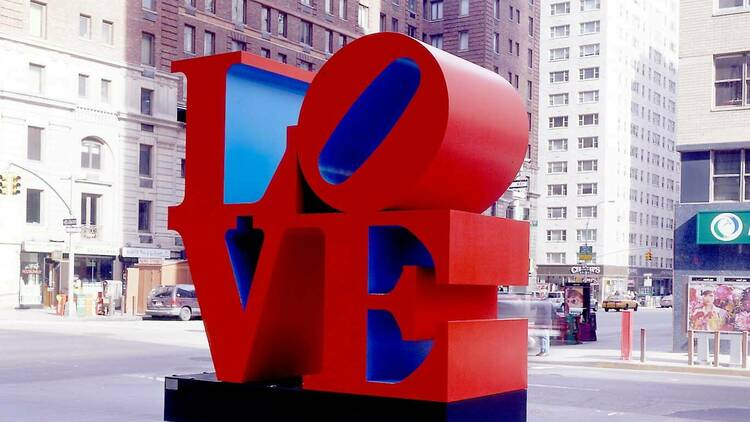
543	320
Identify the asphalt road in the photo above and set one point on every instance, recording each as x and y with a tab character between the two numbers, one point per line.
656	321
113	371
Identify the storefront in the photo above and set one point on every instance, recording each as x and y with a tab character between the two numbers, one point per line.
604	280
33	279
712	269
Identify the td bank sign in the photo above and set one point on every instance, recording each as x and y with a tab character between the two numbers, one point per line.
716	228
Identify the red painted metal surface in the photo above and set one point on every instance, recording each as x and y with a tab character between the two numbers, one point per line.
454	150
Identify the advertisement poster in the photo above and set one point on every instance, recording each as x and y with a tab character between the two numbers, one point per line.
719	306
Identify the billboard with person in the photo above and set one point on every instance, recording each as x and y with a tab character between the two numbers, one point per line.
714	306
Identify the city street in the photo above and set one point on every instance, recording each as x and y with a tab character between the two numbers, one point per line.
114	370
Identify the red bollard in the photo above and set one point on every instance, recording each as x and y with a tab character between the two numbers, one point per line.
626	335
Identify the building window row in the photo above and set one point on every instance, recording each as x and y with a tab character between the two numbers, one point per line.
588	119
561	213
561	189
584	74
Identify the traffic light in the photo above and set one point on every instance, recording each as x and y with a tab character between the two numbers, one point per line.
4	184
15	185
649	255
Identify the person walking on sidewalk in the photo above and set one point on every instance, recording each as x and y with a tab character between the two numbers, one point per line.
542	325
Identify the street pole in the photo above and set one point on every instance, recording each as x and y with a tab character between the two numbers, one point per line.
72	308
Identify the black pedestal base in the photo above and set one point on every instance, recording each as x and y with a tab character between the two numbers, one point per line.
200	397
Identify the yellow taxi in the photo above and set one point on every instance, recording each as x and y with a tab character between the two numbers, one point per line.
618	303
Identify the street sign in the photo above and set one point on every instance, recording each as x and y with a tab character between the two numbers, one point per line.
585	249
519	184
585	257
70	221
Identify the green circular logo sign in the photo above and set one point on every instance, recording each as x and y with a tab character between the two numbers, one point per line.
726	227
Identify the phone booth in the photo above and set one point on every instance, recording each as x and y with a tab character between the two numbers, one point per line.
579	311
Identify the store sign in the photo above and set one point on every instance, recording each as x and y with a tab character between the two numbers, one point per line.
718	228
585	269
146	253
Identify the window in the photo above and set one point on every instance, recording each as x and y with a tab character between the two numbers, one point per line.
190	3
589	50
411	31
730	71
587	188
239	45
33	206
557	190
147	49
306	2
265	19
328	6
305	65
394	25
382	23
510	46
209	43
586	97
588	142
38	19
147	96
555	257
281	24
531	26
305	35
239	11
592	27
211	6
560	8
557	54
557	235
558	99
496	43
84	26
144	160
189	39
463	40
586	235
144	216
91	154
105	90
463	8
530	59
726	175
587	212
557	144
496	9
363	16
558	122
730	4
329	41
436	40
559	76
557	167
591	119
36	78
282	58
149	4
108	32
588	73
34	143
89	209
83	85
590	5
588	165
559	31
557	213
436	10
342	9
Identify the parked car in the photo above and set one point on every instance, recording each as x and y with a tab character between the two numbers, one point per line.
173	301
619	302
557	298
666	301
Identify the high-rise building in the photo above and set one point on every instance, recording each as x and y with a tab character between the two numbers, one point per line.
712	221
608	173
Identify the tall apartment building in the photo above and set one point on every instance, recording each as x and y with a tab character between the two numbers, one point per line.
712	215
608	166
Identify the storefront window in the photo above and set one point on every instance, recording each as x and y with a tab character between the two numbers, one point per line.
32	278
91	269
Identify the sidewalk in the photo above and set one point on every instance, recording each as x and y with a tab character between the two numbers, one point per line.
580	355
49	315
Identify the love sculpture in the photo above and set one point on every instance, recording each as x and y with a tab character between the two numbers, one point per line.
332	226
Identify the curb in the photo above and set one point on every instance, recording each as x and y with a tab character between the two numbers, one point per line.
696	369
